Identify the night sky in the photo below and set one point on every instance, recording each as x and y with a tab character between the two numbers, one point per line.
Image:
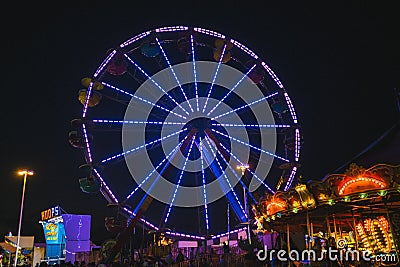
339	63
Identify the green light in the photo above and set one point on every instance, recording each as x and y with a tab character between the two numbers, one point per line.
273	217
382	193
398	188
346	198
278	215
331	202
295	210
268	219
363	195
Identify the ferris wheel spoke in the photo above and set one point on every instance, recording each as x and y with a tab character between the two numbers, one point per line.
143	100
173	73
194	73
232	170
163	123
245	106
231	90
252	125
142	146
251	146
171	153
204	186
215	76
227	181
249	170
179	180
156	84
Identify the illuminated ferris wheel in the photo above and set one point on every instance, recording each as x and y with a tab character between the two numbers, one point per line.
192	118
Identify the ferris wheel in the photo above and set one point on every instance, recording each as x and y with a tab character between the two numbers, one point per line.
194	119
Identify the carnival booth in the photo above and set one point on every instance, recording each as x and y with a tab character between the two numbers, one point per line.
65	234
357	210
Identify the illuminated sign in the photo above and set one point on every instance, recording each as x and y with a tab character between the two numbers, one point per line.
54	232
51	213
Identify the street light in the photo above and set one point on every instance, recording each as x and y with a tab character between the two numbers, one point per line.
243	168
25	173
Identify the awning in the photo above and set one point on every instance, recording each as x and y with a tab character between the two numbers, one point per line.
7	247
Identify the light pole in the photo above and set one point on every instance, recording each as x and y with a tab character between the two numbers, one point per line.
243	168
25	173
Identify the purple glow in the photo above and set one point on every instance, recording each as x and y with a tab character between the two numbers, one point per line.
140	122
105	62
142	99
86	104
172	29
297	145
156	168
272	74
208	32
89	154
252	125
226	177
249	145
173	73
204	186
291	177
142	146
241	163
141	219
231	90
291	108
194	73
105	186
180	179
135	38
244	48
185	235
155	83
215	76
245	106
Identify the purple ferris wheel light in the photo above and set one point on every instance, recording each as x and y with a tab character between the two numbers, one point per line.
209	32
244	48
297	145
291	108
105	62
110	193
272	74
291	177
135	38
172	29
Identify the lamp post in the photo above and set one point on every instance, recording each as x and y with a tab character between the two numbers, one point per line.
243	168
25	173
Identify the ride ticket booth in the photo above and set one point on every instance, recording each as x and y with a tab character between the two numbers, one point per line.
65	234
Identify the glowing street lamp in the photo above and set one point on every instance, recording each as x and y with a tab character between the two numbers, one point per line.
25	173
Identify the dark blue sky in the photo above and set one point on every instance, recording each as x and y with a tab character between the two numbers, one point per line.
339	63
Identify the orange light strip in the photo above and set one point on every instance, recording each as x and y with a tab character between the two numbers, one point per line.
360	179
